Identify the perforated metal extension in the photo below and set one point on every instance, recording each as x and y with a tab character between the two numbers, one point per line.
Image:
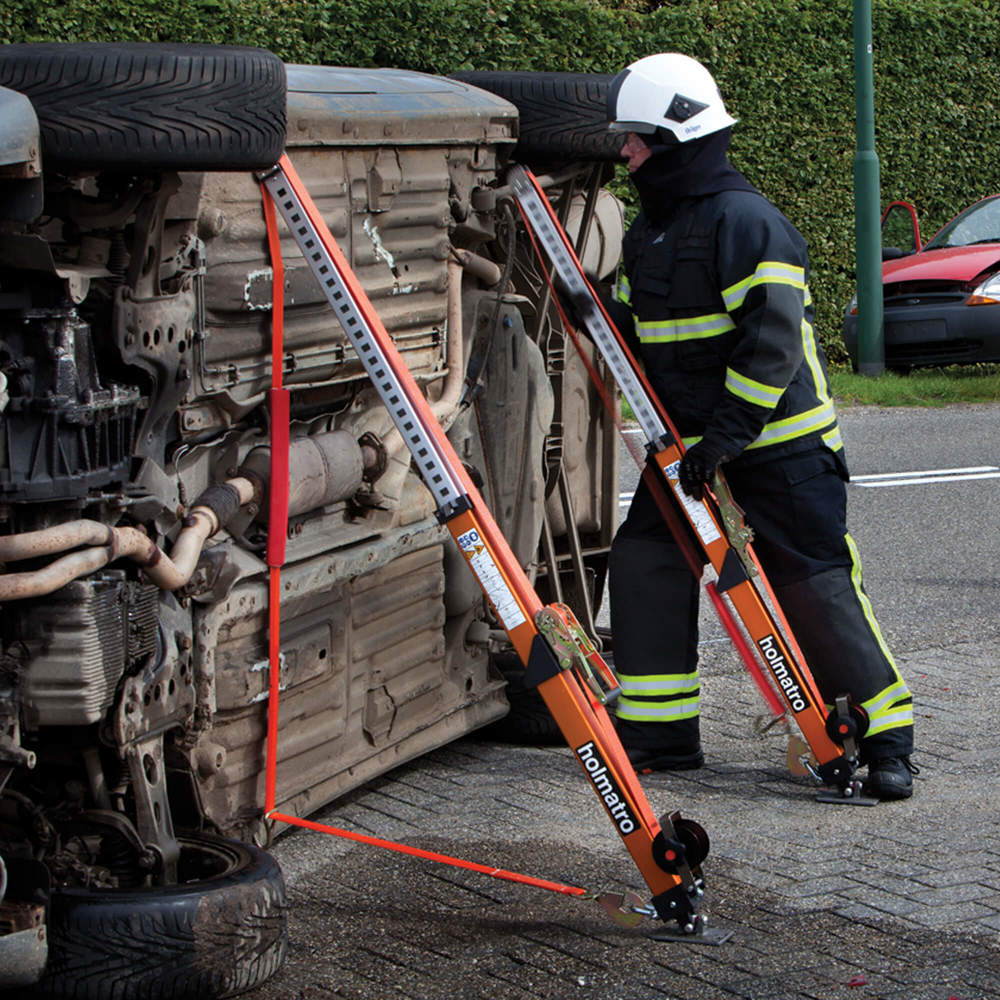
434	469
591	315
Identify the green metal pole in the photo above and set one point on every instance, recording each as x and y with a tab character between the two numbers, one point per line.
867	200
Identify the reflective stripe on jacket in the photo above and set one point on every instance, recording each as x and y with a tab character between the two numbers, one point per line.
722	319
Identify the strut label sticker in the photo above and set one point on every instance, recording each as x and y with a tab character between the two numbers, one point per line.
490	579
607	788
777	665
700	518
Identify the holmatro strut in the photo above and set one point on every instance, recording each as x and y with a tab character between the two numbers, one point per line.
709	531
560	660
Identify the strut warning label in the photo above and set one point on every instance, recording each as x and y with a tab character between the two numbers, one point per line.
491	579
700	518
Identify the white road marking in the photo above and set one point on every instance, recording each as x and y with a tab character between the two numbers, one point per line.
924	476
915	478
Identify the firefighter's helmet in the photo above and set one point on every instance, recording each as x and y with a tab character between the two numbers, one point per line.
667	91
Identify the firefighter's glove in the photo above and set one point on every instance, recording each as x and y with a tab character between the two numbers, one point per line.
698	467
573	305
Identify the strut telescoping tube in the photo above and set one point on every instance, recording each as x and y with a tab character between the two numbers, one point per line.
702	530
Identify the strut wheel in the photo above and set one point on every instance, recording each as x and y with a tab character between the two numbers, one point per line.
690	845
692	835
852	726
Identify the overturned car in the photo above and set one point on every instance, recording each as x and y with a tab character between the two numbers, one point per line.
135	365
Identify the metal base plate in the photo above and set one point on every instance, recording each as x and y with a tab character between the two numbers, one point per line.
834	796
707	935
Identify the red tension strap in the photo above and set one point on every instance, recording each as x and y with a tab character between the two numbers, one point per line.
447	859
279	398
277	522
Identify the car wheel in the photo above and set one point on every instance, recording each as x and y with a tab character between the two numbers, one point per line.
134	106
562	115
529	722
220	931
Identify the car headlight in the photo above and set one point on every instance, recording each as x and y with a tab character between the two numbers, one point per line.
987	294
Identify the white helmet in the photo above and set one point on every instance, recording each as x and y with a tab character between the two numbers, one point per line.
669	91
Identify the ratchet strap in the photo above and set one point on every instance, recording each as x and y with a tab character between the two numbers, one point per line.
277	523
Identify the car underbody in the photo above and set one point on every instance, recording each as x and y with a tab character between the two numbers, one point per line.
136	295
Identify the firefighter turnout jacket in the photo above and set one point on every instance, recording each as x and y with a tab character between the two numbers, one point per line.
715	301
723	321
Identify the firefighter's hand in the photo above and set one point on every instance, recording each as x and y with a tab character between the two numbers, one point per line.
573	305
698	467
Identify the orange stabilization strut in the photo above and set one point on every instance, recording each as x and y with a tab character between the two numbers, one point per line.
570	675
773	657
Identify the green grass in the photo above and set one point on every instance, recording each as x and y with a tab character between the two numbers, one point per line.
921	387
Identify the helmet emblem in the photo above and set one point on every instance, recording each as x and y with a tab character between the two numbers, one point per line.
682	108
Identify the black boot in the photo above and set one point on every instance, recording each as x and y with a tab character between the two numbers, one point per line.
661	746
646	761
891	778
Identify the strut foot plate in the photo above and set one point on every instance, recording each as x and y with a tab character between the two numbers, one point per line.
852	795
704	935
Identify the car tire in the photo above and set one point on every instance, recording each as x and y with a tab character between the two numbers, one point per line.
149	106
210	936
562	115
529	721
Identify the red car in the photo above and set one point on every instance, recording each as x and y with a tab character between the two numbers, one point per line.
941	302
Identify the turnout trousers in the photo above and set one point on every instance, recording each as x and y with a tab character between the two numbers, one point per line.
796	506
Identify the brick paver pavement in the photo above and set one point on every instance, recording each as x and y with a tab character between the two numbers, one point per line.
900	901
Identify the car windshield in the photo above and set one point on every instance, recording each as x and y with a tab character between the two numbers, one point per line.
978	224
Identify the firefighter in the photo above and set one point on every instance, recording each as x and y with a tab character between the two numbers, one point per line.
714	299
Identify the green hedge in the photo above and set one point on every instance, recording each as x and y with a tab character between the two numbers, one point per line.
784	66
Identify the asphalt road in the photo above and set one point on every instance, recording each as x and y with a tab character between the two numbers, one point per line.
930	542
896	902
931	549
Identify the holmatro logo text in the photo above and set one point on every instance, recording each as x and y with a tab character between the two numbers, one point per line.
607	788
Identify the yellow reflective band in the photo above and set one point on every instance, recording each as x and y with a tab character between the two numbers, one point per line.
653	684
663	331
897	721
768	272
890	709
833	440
885	700
753	392
638	711
623	293
812	359
866	607
779	431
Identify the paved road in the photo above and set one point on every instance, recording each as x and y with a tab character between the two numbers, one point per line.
899	902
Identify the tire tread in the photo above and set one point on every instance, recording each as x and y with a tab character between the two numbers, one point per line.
208	939
136	105
562	115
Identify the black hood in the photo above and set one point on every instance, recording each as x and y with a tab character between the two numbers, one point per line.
686	170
